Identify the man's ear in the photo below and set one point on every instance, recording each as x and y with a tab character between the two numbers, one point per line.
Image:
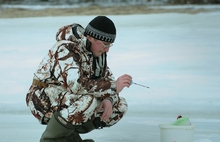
89	38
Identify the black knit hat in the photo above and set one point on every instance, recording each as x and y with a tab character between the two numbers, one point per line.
101	28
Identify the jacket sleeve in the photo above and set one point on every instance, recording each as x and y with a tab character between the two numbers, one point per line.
104	87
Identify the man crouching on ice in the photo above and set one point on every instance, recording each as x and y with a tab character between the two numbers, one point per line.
73	91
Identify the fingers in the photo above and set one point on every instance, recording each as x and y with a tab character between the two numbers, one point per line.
105	115
127	79
123	81
106	107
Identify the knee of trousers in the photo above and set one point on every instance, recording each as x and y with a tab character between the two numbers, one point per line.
57	128
122	105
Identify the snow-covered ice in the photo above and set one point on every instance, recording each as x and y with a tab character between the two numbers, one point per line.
176	55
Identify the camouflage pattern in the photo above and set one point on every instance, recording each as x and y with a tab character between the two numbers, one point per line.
76	82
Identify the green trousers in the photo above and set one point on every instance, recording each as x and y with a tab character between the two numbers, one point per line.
59	130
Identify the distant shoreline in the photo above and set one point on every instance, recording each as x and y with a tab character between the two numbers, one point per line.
98	10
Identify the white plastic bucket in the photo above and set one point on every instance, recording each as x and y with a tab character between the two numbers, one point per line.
170	133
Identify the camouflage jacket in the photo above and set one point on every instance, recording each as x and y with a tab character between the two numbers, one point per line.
70	68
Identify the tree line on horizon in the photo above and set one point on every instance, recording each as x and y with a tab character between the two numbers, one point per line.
194	1
113	1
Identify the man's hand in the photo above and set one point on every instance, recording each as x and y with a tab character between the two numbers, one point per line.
123	81
106	105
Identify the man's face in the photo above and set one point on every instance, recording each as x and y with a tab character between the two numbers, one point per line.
99	47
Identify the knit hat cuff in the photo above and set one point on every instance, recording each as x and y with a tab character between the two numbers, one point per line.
97	34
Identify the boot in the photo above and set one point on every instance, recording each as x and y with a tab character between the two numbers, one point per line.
59	130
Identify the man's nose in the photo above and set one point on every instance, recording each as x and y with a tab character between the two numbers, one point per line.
107	49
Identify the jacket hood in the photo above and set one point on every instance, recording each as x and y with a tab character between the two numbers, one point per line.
70	32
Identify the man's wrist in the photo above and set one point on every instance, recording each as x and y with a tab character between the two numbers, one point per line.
110	99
